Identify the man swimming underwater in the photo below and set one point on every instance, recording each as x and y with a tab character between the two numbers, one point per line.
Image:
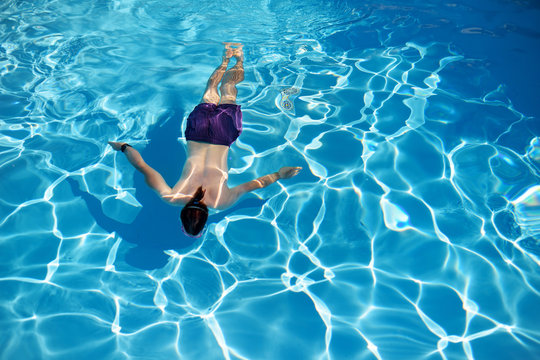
211	128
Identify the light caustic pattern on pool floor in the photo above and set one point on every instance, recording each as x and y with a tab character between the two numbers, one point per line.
411	233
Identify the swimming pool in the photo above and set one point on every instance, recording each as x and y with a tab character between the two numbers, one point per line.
412	233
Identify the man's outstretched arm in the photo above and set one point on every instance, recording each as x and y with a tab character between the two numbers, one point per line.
262	182
151	176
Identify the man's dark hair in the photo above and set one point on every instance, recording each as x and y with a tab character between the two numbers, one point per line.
194	214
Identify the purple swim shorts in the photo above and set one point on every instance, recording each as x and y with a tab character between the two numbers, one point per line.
214	124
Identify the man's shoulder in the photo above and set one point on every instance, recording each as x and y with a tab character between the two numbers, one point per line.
228	197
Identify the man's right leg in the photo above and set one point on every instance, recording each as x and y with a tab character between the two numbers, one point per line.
232	77
211	93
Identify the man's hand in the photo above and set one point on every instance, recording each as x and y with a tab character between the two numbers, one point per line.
288	172
116	145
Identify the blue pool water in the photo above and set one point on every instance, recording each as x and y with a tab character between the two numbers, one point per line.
413	231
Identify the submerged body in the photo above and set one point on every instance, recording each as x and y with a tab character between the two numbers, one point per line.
212	127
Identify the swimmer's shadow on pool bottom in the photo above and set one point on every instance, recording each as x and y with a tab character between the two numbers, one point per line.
157	227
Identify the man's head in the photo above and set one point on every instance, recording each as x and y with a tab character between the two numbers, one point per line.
194	214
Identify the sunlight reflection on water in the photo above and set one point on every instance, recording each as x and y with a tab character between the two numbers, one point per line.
413	229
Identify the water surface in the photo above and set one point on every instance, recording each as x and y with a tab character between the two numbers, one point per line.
412	232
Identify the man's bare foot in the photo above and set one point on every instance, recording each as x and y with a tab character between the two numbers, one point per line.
227	54
229	44
235	49
238	53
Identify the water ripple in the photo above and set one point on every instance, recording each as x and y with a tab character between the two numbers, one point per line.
412	232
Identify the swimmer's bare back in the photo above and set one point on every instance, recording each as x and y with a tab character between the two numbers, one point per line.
206	166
